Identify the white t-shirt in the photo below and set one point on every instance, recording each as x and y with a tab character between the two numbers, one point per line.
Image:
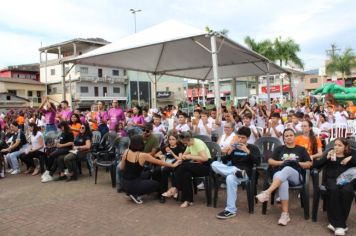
252	139
279	128
326	126
340	119
157	129
202	129
182	128
225	141
35	141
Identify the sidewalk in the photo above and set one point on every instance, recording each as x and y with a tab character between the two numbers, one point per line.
28	207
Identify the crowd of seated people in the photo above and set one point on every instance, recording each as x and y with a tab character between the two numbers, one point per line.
167	154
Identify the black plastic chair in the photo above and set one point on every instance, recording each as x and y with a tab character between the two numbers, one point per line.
104	156
303	190
247	184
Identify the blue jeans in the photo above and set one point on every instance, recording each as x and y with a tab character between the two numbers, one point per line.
231	183
50	128
12	157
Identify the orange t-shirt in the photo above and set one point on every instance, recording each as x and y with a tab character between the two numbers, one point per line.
93	124
352	109
75	126
20	120
305	142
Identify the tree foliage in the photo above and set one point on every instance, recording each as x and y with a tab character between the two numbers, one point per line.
341	63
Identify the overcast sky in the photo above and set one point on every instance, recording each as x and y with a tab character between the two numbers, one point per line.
314	24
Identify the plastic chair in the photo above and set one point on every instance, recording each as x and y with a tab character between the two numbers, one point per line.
338	130
351	129
260	130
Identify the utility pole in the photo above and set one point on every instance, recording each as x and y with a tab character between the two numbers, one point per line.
133	11
332	51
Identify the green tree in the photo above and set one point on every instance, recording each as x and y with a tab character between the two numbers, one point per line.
286	51
341	63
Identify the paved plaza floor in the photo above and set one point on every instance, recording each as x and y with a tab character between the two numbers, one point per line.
29	207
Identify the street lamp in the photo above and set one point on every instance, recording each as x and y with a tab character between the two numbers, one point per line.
133	11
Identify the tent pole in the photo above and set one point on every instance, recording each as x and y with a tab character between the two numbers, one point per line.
215	71
203	91
268	88
154	94
63	82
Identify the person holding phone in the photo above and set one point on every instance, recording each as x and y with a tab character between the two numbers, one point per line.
236	167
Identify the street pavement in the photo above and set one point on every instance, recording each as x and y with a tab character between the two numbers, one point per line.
29	207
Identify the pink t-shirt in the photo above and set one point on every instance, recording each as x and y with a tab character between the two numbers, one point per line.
50	116
115	115
138	119
100	116
66	114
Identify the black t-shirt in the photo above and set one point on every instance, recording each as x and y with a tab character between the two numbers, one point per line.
80	140
242	160
21	136
176	150
66	138
298	154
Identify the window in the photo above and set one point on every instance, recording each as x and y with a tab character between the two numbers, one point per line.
125	73
313	80
39	94
96	91
105	91
100	73
53	71
116	89
115	72
84	89
167	89
84	70
29	93
54	90
13	92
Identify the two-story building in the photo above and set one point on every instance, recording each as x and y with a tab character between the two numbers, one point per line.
81	85
20	86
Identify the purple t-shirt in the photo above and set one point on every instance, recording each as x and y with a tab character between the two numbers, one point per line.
66	114
101	115
138	119
50	116
115	115
82	119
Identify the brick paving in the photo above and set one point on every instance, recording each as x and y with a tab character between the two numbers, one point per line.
28	207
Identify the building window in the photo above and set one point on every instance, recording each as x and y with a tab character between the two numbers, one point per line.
167	89
13	92
29	93
116	89
100	73
54	90
84	89
39	94
115	72
53	71
313	80
84	70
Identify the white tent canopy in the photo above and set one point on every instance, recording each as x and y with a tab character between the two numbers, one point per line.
173	48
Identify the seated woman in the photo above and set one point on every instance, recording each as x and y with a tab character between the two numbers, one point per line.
170	153
36	149
339	198
309	141
286	174
62	148
75	124
227	138
132	163
195	164
82	144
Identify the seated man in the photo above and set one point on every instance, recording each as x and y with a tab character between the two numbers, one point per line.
236	167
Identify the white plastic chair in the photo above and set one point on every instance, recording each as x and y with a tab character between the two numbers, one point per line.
260	130
351	129
337	131
316	131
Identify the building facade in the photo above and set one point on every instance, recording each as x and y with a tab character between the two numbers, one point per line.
83	85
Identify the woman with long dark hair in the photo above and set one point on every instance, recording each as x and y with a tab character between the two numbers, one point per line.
339	196
309	141
132	163
63	146
75	124
35	151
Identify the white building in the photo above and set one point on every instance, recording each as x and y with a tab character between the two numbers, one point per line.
84	84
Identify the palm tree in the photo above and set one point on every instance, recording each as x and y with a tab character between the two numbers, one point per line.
265	48
341	63
286	51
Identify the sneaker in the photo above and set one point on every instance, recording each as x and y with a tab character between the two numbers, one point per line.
9	171
45	174
225	215
339	231
284	219
66	172
201	186
263	197
2	175
47	179
15	172
241	174
136	199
